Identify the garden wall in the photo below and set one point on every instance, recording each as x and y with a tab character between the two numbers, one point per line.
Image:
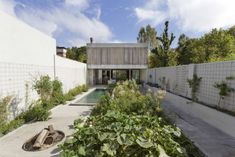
176	81
25	54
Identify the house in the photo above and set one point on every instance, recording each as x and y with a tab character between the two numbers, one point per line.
61	51
111	62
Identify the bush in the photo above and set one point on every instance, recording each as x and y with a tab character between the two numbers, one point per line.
43	86
4	104
6	128
128	123
36	113
75	91
126	98
118	134
51	94
57	95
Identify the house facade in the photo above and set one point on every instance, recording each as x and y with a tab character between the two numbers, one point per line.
61	51
111	62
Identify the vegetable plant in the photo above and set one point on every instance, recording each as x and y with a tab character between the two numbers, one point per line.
126	123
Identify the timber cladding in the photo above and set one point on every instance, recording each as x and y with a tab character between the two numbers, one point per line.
117	55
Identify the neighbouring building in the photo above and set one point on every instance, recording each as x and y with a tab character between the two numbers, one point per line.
61	51
111	62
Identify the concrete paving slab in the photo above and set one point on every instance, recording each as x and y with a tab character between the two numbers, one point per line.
212	131
62	118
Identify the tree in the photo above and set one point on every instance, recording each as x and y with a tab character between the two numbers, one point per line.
142	36
218	44
148	35
183	53
231	31
77	53
163	51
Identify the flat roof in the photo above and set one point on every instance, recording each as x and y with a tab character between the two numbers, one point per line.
117	45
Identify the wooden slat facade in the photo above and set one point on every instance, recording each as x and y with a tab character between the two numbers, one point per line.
104	54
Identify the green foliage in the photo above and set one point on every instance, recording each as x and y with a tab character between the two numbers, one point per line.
36	112
77	53
127	123
4	105
126	98
75	91
224	89
194	84
184	54
163	51
217	45
12	125
51	94
57	95
118	134
148	35
43	86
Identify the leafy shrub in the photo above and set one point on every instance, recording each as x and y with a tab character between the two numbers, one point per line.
12	125
43	86
51	94
118	134
127	123
84	88
194	84
127	98
75	91
57	95
36	113
224	89
4	104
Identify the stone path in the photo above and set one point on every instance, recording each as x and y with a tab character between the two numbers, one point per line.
62	119
212	131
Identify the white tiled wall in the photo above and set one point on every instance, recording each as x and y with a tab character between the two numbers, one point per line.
16	80
210	72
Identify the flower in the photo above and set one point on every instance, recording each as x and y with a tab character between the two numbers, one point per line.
160	94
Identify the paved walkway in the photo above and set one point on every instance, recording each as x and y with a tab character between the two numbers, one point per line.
212	131
62	119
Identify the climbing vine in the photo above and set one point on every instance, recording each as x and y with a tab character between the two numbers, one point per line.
194	84
224	88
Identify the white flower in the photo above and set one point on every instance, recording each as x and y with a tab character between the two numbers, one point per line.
160	94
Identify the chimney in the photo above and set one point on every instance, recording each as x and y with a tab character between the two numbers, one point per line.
91	40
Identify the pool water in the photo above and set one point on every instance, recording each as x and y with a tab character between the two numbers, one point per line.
92	97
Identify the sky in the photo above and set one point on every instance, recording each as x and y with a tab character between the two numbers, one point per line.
73	22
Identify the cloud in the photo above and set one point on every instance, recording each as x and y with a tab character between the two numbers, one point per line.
7	6
79	4
38	22
190	15
67	21
151	16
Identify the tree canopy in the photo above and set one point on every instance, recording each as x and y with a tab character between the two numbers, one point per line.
148	35
77	53
216	45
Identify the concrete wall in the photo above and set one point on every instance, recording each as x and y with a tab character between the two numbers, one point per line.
21	43
25	54
176	81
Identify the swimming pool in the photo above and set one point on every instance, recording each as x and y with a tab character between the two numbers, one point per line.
92	98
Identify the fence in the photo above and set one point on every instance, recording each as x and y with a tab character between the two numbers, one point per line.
25	54
175	80
16	79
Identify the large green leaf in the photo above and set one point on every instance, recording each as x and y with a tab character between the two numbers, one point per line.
144	143
162	152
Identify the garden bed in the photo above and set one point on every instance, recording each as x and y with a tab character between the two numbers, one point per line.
128	123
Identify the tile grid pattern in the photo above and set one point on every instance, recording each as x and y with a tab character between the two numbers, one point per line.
17	80
210	72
